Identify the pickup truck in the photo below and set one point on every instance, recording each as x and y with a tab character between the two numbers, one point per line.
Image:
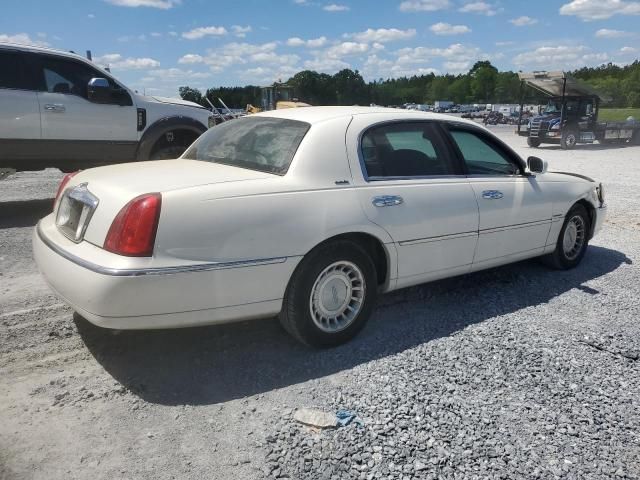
58	109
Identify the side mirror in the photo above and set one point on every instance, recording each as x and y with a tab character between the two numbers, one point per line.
537	165
99	90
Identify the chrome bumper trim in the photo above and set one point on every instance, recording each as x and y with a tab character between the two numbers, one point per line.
140	272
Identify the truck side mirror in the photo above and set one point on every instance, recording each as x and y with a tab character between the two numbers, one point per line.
99	90
537	165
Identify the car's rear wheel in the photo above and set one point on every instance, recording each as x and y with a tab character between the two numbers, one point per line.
330	295
573	240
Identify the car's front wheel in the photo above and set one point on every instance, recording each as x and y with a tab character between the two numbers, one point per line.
573	240
533	142
330	295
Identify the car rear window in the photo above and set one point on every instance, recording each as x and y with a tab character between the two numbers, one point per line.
256	143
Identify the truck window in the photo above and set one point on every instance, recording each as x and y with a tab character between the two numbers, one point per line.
13	72
63	76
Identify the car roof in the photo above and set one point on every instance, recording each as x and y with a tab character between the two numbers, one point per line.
40	49
314	115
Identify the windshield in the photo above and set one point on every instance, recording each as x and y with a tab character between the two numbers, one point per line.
256	143
553	107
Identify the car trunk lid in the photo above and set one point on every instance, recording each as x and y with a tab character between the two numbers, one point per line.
111	188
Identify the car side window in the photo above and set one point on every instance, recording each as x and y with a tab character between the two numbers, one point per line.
481	156
408	149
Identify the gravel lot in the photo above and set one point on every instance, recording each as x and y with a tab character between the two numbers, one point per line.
516	372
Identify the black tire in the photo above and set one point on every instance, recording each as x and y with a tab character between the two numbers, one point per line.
559	259
533	142
168	153
296	316
569	139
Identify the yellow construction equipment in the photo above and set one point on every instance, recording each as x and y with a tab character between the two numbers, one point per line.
276	97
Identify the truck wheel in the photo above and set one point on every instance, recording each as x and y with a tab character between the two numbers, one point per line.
330	295
533	142
569	140
168	153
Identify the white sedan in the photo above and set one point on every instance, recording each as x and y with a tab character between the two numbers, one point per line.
307	214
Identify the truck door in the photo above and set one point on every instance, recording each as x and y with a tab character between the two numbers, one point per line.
19	110
79	128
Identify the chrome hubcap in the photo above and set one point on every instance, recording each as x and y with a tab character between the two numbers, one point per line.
574	236
571	140
337	296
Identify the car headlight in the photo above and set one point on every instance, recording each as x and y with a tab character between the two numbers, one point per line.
555	126
600	192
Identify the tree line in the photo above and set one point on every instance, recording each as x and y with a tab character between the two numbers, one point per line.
482	84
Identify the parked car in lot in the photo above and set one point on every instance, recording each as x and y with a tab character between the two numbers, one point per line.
58	109
307	214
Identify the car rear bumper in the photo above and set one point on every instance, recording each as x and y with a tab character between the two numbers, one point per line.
158	297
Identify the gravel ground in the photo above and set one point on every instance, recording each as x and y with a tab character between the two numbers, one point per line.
515	372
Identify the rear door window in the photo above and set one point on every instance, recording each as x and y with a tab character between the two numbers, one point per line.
406	149
14	72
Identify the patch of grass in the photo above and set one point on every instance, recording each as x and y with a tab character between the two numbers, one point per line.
618	114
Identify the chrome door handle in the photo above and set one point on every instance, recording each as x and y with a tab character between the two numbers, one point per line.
492	194
387	200
54	107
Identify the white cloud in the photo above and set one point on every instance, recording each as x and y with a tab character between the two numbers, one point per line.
22	38
326	65
607	33
201	32
177	73
424	5
457	67
523	21
376	67
335	8
236	54
455	52
346	49
191	58
589	10
448	29
383	35
118	62
481	8
313	43
560	57
156	34
162	4
628	50
173	34
91	15
240	31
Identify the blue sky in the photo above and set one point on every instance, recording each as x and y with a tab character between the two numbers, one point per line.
157	45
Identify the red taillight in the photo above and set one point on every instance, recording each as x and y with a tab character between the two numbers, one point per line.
133	231
63	184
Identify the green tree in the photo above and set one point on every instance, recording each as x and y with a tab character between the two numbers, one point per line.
191	95
483	83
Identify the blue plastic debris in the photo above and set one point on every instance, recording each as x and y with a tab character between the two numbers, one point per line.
345	417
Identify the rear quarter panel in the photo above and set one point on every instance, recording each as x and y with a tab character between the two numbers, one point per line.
277	217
